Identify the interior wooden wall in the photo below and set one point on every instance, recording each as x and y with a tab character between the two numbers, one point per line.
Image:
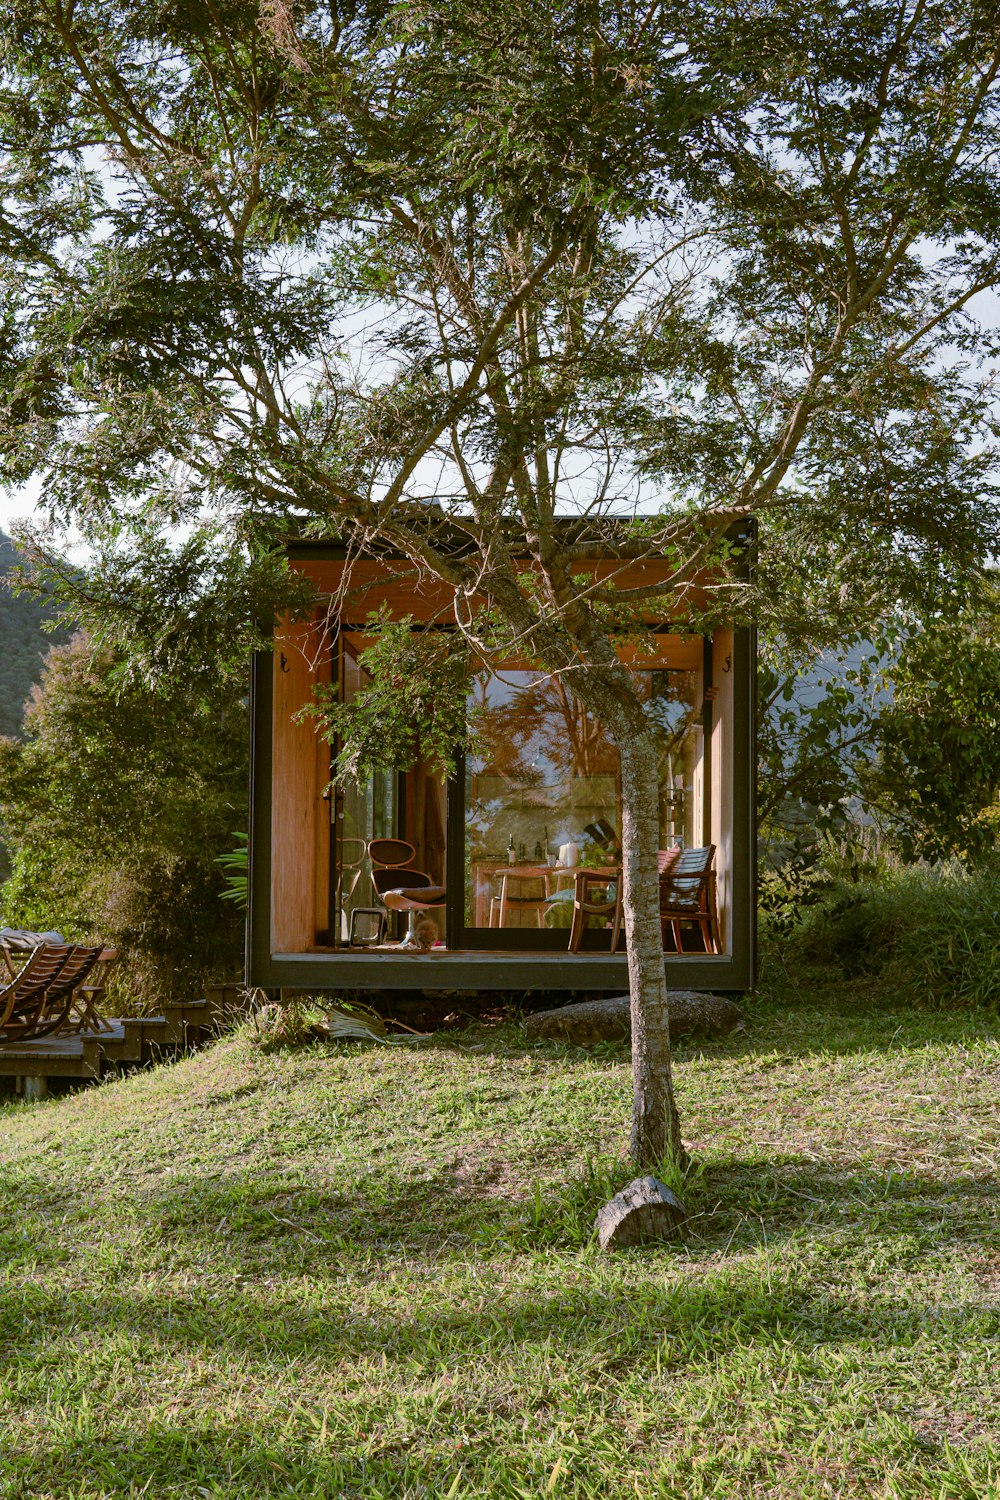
300	816
364	584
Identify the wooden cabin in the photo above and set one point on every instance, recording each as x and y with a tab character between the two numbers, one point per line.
501	839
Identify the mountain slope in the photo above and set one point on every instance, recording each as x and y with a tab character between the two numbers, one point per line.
23	644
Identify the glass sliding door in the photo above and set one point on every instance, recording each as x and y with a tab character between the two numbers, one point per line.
364	811
673	700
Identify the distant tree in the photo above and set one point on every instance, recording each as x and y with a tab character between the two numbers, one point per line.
818	734
26	641
115	806
936	780
435	281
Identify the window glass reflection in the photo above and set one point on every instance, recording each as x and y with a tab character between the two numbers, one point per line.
545	790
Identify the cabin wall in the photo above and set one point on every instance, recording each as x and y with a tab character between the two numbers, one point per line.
723	709
300	816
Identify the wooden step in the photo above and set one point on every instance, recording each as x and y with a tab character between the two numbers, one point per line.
54	1057
132	1039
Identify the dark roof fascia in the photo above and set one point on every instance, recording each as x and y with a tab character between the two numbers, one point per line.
324	549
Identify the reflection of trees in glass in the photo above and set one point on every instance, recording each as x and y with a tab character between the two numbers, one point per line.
672	702
543	757
543	721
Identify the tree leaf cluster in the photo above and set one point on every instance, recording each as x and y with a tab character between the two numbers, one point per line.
114	808
410	709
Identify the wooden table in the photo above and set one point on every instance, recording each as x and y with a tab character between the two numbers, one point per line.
485	873
581	875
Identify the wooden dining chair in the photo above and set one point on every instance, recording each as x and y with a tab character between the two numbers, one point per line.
688	894
518	899
588	901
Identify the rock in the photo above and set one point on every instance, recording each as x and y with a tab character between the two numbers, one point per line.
692	1015
645	1210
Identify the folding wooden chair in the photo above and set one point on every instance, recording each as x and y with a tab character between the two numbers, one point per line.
37	1001
84	1014
22	999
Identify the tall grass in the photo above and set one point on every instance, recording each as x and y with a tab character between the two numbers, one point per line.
931	930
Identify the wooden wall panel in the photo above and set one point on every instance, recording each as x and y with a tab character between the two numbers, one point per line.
369	582
299	816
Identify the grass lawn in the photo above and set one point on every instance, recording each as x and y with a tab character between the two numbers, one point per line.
369	1272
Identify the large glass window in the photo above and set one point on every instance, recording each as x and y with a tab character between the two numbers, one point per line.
544	789
365	811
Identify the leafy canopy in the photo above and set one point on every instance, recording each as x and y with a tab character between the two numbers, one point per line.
364	268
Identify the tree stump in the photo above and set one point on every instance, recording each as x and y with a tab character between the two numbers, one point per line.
644	1211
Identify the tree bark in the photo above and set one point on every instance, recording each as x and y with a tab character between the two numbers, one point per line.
656	1133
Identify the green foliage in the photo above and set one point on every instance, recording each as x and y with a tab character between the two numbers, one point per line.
25	640
931	932
236	869
937	779
431	286
411	708
178	611
817	732
904	732
115	807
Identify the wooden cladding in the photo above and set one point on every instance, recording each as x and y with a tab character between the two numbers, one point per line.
300	816
364	585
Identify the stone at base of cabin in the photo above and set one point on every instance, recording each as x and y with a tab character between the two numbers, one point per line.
692	1015
644	1211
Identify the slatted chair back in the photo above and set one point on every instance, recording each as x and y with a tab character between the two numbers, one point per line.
17	985
24	997
687	894
84	1013
43	990
59	995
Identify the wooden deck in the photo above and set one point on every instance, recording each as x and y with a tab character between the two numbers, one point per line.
86	1055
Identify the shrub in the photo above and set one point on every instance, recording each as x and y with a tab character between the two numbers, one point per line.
931	930
115	808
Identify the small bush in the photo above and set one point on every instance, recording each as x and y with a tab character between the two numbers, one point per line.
931	930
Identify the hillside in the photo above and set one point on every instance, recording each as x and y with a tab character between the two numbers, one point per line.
23	644
367	1273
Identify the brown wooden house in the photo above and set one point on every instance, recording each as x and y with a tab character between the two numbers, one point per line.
503	843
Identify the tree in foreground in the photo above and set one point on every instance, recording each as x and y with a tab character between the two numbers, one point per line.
438	282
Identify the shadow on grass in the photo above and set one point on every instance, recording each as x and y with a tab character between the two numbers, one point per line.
328	1308
841	1022
253	1225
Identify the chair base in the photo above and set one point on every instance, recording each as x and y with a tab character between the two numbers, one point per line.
367	911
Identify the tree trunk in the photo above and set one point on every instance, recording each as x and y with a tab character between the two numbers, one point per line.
656	1135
